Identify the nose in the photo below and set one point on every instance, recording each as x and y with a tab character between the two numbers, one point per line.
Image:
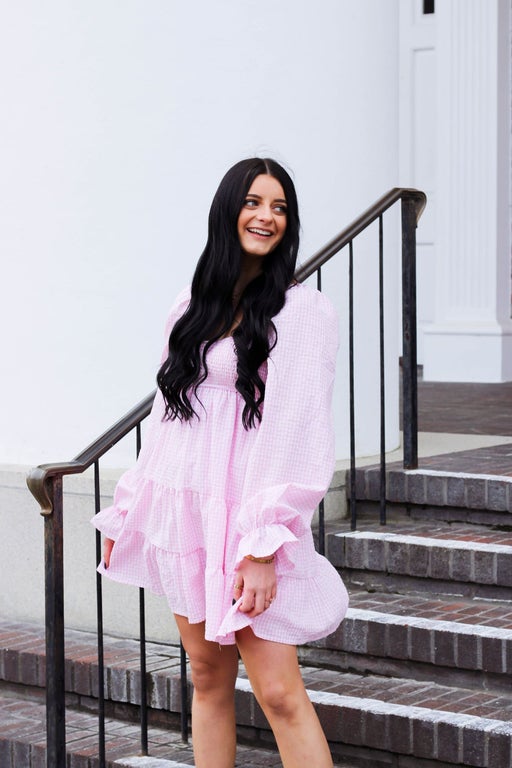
264	212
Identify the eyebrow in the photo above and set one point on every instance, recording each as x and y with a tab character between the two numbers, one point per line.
276	200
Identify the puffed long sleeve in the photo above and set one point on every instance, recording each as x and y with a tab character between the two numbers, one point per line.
292	459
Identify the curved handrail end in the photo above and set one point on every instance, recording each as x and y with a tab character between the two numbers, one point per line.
37	484
419	198
38	481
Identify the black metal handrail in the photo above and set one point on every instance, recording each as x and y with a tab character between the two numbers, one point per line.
45	481
414	196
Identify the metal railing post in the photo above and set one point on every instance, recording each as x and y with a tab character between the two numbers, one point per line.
351	375
99	626
382	377
184	694
321	506
54	611
409	357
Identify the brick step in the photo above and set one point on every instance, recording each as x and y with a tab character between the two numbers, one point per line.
23	741
481	612
367	718
409	721
435	557
421	638
456	496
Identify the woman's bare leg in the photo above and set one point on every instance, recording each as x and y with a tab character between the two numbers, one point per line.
277	684
214	669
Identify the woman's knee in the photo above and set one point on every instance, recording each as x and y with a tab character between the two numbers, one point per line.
281	699
209	677
212	667
203	674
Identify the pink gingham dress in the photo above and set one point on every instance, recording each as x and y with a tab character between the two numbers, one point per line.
206	492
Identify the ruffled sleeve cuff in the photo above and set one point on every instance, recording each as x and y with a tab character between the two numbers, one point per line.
266	540
110	522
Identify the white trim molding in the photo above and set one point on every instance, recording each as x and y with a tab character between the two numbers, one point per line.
471	337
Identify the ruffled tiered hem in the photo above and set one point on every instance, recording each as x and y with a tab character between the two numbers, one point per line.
323	593
201	591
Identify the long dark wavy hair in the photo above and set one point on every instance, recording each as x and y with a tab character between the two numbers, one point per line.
211	312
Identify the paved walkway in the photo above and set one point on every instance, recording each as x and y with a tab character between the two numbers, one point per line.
471	409
467	427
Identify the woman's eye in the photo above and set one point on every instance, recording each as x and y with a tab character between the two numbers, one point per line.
280	209
250	203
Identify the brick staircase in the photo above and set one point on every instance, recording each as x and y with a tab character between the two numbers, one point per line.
22	711
428	639
417	676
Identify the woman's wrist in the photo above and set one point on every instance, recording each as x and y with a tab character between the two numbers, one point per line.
262	560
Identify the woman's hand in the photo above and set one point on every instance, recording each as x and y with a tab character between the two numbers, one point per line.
108	545
256	584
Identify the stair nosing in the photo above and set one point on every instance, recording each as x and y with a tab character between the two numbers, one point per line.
148	762
444	473
377	706
425	541
419	622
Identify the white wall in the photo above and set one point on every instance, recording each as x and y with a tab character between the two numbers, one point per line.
118	122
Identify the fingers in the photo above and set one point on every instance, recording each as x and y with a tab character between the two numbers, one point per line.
255	583
108	545
237	589
255	602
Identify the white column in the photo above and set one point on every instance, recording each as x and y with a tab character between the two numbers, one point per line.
471	338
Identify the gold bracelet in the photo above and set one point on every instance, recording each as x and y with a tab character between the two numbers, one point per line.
262	560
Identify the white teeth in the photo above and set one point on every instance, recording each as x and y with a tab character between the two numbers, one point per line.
263	232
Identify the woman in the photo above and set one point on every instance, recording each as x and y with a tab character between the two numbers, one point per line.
239	451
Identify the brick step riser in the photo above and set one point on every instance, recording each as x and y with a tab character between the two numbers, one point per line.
466	567
377	581
344	661
437	490
372	729
369	511
479	650
461	655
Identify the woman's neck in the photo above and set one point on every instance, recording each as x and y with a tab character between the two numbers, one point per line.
247	275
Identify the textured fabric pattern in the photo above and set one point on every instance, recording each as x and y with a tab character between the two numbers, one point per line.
204	493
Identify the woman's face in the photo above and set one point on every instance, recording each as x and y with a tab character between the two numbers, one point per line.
262	220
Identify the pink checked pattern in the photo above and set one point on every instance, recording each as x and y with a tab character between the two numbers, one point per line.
207	492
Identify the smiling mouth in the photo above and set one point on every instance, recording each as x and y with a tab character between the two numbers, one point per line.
261	232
